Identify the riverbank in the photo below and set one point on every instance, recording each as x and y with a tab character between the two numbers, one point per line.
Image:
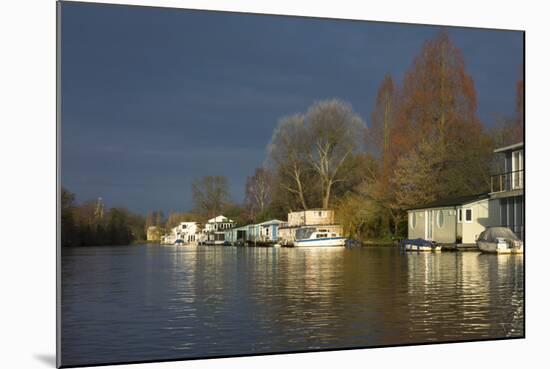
375	243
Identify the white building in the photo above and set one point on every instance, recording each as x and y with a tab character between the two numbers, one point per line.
456	220
183	233
265	232
213	233
187	232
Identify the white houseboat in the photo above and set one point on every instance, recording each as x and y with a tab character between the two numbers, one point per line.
322	220
265	233
318	237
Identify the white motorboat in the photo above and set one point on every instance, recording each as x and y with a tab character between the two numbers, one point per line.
499	240
312	237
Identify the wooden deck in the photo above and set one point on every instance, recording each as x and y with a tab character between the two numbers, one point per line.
459	247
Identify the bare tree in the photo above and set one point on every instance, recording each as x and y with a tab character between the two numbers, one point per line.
334	134
287	152
258	192
210	195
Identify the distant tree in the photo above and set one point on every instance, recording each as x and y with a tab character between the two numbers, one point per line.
158	218
210	195
176	218
383	117
91	224
258	192
149	222
287	154
69	230
334	132
237	213
118	227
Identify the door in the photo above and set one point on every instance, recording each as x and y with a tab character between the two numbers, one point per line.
429	224
517	169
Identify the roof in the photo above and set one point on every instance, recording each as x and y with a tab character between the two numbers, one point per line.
241	228
270	222
518	145
312	209
455	201
220	219
309	225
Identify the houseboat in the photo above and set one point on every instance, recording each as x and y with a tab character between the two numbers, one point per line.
260	234
320	219
318	237
452	221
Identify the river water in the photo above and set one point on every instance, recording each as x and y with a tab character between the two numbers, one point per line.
150	302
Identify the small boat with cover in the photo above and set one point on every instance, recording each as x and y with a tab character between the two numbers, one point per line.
420	244
499	240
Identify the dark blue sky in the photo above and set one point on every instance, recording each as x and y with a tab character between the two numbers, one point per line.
152	97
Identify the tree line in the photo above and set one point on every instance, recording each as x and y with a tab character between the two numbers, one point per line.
91	224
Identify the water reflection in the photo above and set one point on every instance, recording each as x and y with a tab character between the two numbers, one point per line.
159	302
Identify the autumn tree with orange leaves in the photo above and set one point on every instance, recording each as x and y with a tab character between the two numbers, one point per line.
437	131
383	118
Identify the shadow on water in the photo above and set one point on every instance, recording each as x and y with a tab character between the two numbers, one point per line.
48	359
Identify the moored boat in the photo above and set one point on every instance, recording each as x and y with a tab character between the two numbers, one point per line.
420	244
313	237
499	240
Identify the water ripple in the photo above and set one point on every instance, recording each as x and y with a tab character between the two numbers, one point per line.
161	302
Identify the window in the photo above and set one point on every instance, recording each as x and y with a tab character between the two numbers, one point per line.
440	218
468	216
459	215
517	169
413	220
320	213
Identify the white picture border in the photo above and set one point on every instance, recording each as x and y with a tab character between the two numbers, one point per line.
29	173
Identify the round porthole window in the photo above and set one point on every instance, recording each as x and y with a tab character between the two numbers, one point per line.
440	219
